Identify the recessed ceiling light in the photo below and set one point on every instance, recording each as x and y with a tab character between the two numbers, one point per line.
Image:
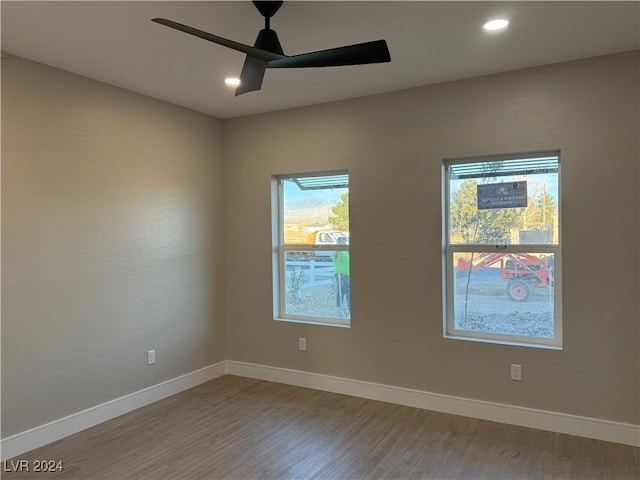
232	81
496	24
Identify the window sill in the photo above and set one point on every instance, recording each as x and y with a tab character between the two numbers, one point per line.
511	343
323	322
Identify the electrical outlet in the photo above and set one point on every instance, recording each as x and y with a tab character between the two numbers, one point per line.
151	357
516	372
302	344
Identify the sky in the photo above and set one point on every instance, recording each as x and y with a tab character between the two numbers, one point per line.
292	192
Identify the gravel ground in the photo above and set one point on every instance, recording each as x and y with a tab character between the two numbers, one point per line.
489	309
516	323
499	314
319	302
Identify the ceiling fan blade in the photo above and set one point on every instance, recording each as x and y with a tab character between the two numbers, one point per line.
240	47
251	76
358	54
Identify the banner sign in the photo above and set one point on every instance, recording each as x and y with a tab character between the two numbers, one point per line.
502	195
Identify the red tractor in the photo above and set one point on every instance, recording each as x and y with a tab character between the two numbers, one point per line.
521	270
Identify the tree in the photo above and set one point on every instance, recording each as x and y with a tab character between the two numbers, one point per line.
539	215
543	209
479	226
472	225
340	218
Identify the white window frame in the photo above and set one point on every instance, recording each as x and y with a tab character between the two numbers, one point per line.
280	248
449	250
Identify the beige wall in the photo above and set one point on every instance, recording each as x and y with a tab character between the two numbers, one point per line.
393	146
111	243
116	237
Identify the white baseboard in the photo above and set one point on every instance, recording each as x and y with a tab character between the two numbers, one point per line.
63	427
595	428
527	417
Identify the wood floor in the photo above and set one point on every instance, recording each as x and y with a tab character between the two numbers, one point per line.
238	428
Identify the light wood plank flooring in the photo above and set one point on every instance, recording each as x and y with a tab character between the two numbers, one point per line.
238	428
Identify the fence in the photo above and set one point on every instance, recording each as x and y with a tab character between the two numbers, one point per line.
318	273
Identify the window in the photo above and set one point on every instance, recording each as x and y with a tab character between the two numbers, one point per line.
311	265
502	250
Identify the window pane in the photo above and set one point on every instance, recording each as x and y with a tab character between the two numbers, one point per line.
502	202
315	215
317	284
504	293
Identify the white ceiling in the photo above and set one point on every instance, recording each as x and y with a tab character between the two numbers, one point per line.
430	42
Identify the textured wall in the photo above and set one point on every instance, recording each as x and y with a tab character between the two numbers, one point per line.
111	243
393	146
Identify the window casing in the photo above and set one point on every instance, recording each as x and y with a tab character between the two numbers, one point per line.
311	264
502	263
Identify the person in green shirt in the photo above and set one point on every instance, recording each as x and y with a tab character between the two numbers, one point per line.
341	265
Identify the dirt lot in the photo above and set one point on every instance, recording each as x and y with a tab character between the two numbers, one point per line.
488	308
319	302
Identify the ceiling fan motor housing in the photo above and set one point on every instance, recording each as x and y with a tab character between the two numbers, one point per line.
268	40
267	9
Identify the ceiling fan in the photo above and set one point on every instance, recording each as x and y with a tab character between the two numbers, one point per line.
267	51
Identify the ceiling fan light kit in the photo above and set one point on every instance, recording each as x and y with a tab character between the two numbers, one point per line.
267	52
